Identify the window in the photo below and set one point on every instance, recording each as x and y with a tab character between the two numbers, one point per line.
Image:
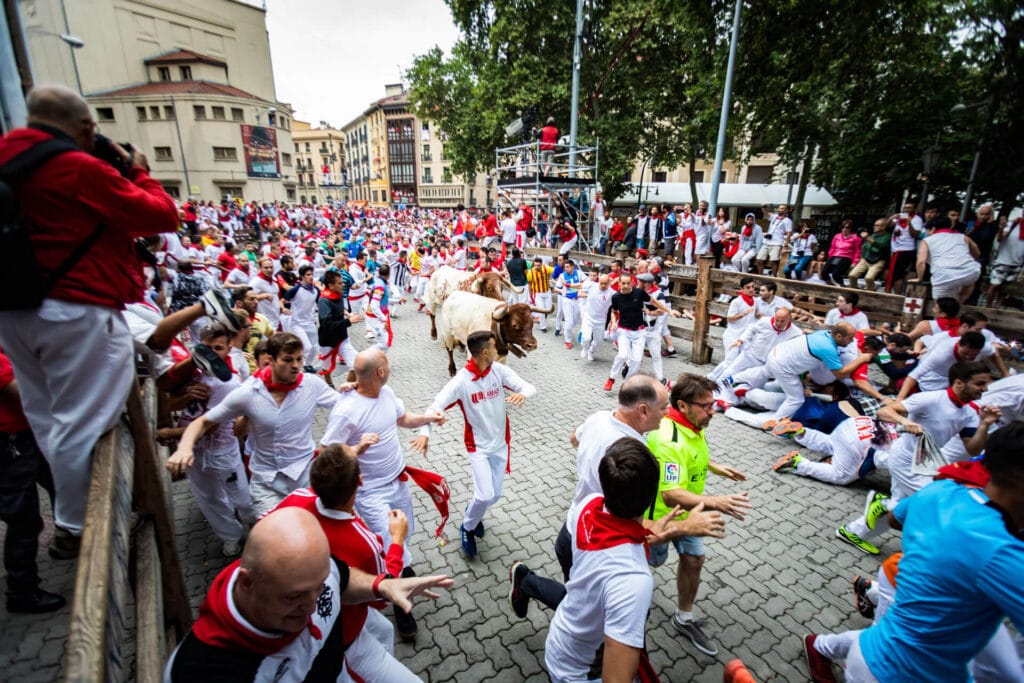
446	174
141	113
291	194
225	154
104	113
307	148
375	195
425	155
296	147
384	196
428	176
230	191
173	190
186	73
218	113
759	175
237	114
199	111
163	73
168	112
309	180
286	159
659	176
271	120
154	112
163	154
698	176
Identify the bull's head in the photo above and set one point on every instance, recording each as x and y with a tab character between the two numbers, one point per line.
513	327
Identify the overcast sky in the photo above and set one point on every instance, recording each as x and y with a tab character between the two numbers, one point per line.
333	57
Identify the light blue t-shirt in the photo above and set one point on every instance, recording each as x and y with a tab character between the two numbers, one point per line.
822	346
961	573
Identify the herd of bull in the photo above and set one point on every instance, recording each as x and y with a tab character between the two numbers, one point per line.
461	302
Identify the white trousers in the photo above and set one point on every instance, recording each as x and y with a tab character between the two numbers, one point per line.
631	350
346	355
488	479
358	305
567	246
371	656
73	363
265	497
846	457
374	504
522	297
570	317
306	332
558	311
904	485
652	339
218	494
591	335
733	365
380	332
792	386
741	260
542	300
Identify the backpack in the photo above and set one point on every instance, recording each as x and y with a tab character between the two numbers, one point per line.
23	286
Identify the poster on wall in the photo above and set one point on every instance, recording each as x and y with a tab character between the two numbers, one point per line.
260	145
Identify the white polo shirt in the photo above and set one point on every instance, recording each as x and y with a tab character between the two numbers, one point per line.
932	372
766	310
355	415
597	303
941	418
595	435
762	337
857	319
270	308
281	436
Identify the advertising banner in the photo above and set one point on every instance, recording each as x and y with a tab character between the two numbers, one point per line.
260	145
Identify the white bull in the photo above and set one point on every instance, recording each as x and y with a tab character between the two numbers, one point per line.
446	280
464	313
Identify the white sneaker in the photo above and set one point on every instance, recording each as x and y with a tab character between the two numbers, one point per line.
583	353
590	356
231	549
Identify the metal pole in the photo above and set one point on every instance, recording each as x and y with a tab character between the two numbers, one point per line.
574	114
723	120
974	172
74	59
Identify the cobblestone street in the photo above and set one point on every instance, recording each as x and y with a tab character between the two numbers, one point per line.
777	575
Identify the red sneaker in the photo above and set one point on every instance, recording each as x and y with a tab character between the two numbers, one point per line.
568	345
609	384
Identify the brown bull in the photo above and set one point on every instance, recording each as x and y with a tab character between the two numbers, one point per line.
446	280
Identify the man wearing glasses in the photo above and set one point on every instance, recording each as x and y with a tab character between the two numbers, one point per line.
681	448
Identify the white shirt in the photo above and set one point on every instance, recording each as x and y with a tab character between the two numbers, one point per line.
358	288
950	257
595	435
804	244
858	319
304	308
766	310
762	337
940	418
508	231
608	594
237	276
482	403
281	436
355	415
932	373
1008	394
902	240
778	228
458	259
597	303
269	308
1011	248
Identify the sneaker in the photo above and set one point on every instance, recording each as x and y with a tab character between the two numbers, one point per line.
218	307
818	665
788	462
691	629
721	405
856	541
860	590
609	384
625	370
568	346
874	508
65	545
479	530
468	543
583	353
405	624
728	382
590	356
669	353
516	600
647	354
558	333
212	365
770	425
309	369
231	549
735	672
788	429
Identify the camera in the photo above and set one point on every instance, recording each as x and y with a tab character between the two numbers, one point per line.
104	149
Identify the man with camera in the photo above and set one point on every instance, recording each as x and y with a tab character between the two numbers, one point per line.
71	350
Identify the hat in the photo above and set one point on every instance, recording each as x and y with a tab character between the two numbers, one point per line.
645	277
642	252
749	215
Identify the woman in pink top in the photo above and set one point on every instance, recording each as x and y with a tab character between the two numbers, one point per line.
844	250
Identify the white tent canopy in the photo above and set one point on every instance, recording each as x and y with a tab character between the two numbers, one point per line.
729	195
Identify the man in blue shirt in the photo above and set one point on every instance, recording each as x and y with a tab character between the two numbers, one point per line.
960	576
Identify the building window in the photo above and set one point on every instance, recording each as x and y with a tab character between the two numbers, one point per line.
230	191
428	176
286	159
218	113
425	154
163	73
173	190
446	174
384	196
375	195
168	112
141	113
759	175
154	112
225	154
199	111
698	176
104	113
291	194
186	73
296	147
659	176
163	154
237	114
271	120
307	148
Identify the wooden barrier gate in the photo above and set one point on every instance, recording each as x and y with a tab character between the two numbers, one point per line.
128	531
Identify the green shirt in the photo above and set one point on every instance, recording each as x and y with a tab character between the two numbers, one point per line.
683	458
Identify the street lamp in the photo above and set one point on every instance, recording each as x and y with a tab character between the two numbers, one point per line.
930	161
643	169
959	109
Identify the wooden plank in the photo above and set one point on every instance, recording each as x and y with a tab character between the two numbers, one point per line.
150	498
96	632
1007	323
701	351
150	654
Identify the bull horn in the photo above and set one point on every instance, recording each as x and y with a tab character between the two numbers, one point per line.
508	283
542	311
500	313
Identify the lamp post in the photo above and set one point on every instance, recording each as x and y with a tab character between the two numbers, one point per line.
930	161
643	169
959	109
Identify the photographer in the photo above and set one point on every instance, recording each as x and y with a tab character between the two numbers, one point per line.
548	136
72	354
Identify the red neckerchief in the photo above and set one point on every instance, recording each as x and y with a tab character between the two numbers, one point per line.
330	294
680	419
947	324
968	473
267	377
946	230
904	222
954	398
777	330
263	276
435	486
747	299
218	627
475	371
231	366
1020	229
600	530
748	230
956	352
851	313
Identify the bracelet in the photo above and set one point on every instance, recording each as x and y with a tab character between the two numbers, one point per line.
376	585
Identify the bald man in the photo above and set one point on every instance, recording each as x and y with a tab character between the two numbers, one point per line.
273	614
370	417
69	300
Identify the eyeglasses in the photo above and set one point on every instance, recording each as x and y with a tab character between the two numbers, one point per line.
706	407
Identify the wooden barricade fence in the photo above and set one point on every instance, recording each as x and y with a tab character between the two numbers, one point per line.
699	287
129	533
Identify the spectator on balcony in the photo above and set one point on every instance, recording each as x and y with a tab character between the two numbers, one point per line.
844	249
801	252
751	241
874	254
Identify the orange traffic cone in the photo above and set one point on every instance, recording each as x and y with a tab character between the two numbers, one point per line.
735	672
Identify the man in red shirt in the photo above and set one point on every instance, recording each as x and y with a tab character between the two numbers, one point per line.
73	354
548	139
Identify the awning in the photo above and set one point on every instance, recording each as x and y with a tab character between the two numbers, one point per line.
729	194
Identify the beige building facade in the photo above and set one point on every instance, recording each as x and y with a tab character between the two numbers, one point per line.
187	81
319	158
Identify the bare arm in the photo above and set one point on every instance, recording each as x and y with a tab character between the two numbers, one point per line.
988	415
396	591
620	662
922	259
416	420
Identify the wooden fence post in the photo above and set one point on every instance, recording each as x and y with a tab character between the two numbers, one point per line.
915	299
701	351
